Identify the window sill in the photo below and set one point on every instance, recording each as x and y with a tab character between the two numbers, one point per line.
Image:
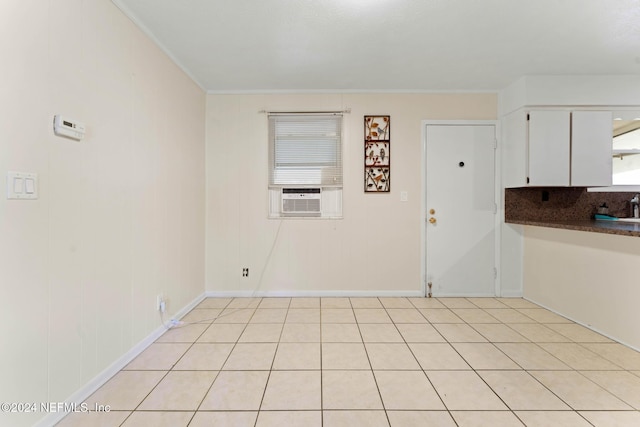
615	188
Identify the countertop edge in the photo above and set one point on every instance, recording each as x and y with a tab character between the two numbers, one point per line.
590	226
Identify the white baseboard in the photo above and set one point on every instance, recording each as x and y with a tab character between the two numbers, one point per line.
327	294
512	294
445	295
99	380
346	294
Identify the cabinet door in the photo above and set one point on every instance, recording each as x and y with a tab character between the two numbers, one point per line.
549	148
591	144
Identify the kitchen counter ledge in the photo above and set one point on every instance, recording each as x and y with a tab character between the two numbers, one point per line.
592	226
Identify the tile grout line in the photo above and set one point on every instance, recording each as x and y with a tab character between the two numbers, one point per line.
171	370
225	360
523	370
275	354
579	341
512	411
527	371
375	379
421	367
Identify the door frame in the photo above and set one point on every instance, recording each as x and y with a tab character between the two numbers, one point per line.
497	194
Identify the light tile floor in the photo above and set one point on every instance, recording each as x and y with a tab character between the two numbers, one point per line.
396	362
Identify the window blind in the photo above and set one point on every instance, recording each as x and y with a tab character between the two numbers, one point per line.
305	149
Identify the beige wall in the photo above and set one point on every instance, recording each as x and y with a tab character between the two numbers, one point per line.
120	216
591	278
375	249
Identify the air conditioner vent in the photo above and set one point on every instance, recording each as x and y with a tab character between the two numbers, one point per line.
301	201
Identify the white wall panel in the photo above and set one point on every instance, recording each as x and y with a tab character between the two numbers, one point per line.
375	248
120	217
591	278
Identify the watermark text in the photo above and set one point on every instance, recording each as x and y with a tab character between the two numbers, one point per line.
52	407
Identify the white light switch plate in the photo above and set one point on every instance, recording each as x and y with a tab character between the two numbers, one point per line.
22	185
404	196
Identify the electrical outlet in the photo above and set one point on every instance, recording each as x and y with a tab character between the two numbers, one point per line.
245	272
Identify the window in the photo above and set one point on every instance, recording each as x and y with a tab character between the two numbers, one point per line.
626	157
626	153
305	151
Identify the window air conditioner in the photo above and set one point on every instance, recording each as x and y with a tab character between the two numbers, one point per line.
301	201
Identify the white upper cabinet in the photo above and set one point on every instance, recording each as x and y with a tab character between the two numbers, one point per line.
591	145
558	148
549	148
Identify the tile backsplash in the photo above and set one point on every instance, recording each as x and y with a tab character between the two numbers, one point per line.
562	204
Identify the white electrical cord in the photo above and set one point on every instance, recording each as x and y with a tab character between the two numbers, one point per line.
174	323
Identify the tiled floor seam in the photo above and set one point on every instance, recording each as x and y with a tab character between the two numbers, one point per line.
506	355
375	379
221	366
266	385
615	359
418	362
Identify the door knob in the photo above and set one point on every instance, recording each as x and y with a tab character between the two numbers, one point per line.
432	220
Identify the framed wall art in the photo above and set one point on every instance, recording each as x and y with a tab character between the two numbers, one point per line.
377	154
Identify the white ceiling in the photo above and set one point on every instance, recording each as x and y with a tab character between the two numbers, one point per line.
389	45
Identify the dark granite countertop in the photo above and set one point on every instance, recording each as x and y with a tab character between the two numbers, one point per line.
568	208
593	226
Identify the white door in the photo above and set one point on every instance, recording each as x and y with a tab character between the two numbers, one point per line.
461	210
